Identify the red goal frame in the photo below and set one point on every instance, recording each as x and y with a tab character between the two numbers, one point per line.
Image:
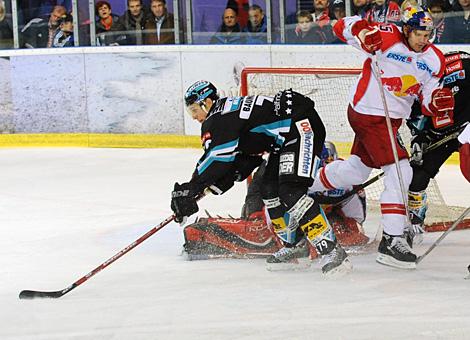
289	70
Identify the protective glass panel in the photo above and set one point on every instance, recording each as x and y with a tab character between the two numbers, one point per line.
229	22
6	25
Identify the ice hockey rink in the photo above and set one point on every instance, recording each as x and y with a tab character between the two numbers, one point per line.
64	211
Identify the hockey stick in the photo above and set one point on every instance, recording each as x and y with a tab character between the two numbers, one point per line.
335	200
442	141
375	63
33	294
452	227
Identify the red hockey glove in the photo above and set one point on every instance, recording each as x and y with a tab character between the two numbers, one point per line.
442	102
369	37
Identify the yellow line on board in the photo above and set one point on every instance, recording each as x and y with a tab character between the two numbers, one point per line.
107	140
99	140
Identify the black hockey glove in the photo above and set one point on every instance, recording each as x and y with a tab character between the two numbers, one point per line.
419	143
183	201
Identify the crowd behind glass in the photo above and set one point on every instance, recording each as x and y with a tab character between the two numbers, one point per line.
52	23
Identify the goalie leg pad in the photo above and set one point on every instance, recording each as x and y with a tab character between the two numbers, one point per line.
218	237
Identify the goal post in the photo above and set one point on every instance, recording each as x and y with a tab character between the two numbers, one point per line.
330	89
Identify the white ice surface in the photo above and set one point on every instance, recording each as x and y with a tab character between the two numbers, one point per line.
65	211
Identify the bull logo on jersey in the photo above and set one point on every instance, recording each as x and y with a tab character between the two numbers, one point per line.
403	86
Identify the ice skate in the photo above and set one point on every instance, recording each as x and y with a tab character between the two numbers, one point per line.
395	252
414	233
290	258
336	262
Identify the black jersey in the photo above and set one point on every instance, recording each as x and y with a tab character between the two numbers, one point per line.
250	125
457	78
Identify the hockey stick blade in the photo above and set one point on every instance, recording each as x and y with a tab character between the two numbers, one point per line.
34	294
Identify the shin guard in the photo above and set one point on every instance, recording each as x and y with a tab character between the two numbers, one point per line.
319	232
417	204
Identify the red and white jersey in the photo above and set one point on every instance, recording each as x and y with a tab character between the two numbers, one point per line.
406	75
464	137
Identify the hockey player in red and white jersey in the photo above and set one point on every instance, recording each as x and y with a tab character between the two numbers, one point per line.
464	152
410	66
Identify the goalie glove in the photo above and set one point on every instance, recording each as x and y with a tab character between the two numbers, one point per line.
442	102
368	36
183	201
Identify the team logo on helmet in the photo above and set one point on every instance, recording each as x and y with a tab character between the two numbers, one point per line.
199	91
417	18
329	153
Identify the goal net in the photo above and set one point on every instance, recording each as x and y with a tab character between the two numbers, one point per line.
330	88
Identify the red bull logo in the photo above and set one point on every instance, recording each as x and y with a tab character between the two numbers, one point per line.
426	22
406	85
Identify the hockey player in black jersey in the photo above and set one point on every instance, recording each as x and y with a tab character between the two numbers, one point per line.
235	132
434	139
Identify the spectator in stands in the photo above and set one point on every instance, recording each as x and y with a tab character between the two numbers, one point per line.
160	25
40	32
339	9
109	32
256	30
458	25
303	33
64	35
230	31
361	7
408	3
437	8
322	22
386	11
42	8
241	7
133	21
6	27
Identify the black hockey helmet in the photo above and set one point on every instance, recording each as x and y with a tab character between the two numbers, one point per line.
200	91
